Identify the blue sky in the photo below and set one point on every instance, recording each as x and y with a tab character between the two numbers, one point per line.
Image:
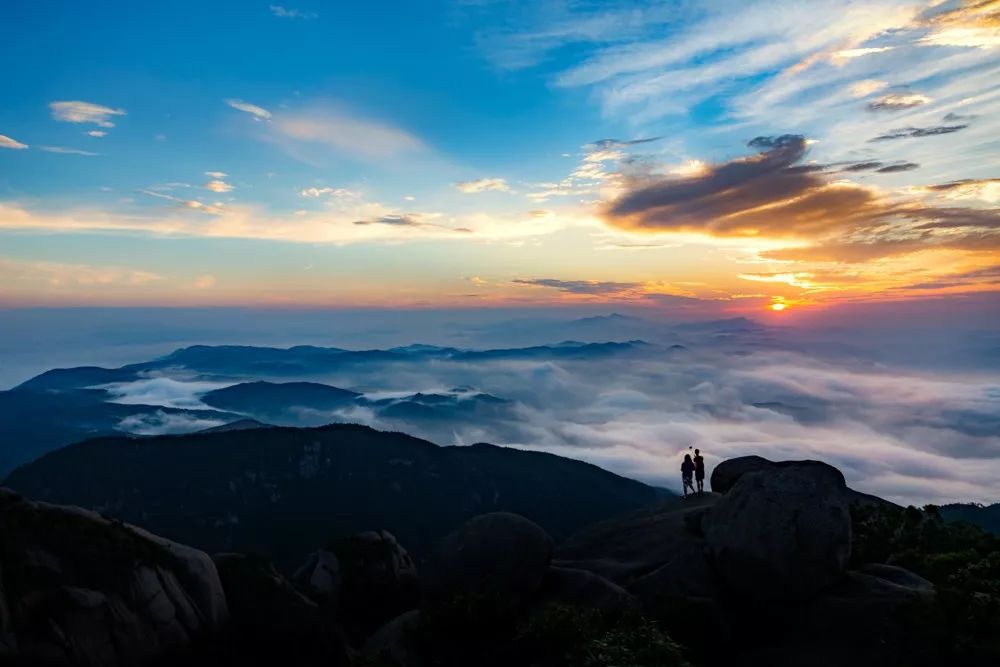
474	154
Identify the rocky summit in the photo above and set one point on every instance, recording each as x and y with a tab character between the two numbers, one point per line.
783	565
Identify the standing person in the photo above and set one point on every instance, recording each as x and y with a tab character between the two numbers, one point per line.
699	470
687	470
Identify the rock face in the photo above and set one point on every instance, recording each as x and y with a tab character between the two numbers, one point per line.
491	554
273	623
654	552
391	643
80	589
781	533
320	576
379	581
580	588
727	473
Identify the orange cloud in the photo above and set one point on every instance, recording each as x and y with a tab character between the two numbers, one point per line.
771	195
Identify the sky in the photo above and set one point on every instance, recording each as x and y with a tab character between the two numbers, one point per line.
695	157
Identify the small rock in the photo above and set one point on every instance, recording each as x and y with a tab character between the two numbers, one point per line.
319	576
391	641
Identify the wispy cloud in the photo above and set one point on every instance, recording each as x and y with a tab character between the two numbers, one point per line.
866	87
917	132
972	23
56	274
592	287
194	204
333	193
898	102
259	113
483	185
287	13
355	222
7	142
345	133
67	151
218	186
84	112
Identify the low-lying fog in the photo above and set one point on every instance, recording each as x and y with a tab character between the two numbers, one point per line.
913	432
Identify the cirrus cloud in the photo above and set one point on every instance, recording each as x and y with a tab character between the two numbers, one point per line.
84	112
7	142
259	113
483	185
356	137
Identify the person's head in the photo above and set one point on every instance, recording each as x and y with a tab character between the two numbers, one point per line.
687	458
697	452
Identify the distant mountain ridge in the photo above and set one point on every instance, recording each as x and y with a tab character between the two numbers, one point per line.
267	384
249	361
281	491
986	517
33	423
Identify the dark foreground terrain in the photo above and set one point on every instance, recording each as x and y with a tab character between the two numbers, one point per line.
281	492
781	565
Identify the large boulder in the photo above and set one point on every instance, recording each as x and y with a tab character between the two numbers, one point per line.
272	622
76	588
378	581
727	473
498	554
781	533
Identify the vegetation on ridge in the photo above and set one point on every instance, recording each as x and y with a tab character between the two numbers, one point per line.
961	624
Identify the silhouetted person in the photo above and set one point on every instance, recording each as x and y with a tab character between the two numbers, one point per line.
699	470
687	471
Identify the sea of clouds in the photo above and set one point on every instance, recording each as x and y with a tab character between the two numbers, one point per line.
910	435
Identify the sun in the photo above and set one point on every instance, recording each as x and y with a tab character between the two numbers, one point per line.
778	307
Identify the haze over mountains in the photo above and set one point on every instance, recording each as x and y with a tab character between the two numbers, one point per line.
625	392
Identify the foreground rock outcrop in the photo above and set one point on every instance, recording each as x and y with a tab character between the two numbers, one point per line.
767	573
272	622
80	589
781	533
492	554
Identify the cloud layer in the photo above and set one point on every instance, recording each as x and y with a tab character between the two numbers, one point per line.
905	434
772	193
